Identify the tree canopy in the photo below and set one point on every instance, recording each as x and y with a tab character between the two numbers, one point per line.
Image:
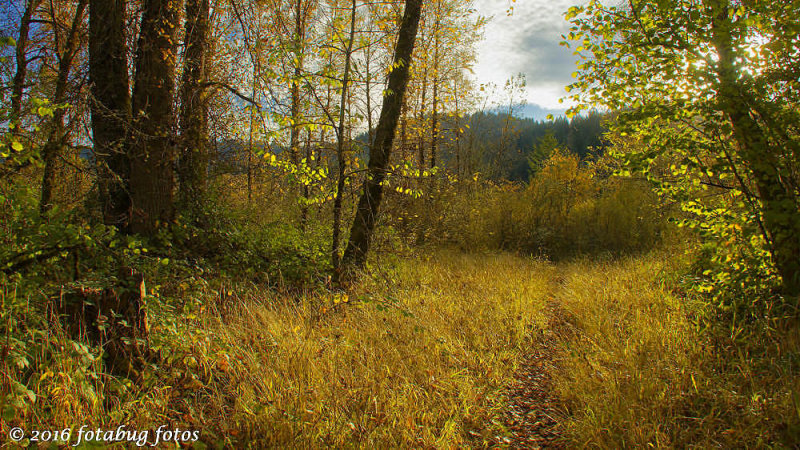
706	96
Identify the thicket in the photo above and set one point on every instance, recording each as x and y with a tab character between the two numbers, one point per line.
55	268
716	136
570	207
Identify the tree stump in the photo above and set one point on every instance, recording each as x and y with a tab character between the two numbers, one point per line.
114	318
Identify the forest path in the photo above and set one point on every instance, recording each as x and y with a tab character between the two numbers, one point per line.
535	415
484	297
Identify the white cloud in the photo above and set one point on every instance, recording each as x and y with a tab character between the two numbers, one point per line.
527	42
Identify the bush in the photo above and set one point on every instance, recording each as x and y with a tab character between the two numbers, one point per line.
569	208
275	253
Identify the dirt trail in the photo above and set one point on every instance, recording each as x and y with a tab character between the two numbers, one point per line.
535	415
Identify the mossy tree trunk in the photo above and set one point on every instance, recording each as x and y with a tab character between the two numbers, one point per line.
193	162
780	210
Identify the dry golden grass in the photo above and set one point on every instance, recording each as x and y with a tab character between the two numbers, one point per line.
421	355
418	358
637	372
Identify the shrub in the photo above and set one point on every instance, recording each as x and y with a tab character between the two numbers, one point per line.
570	207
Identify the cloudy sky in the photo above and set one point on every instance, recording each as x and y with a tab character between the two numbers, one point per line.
527	42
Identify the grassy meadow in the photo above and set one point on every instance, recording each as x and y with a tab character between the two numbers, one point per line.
422	354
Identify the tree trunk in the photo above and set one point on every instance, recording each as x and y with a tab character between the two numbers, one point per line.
337	202
114	317
22	62
434	124
435	112
111	107
368	93
421	131
309	155
294	138
152	157
403	140
366	214
193	162
55	140
250	142
779	209
458	134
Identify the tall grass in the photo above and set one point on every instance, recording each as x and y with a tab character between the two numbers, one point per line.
420	358
420	355
642	367
569	208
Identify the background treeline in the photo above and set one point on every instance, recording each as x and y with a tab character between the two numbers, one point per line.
503	146
472	143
